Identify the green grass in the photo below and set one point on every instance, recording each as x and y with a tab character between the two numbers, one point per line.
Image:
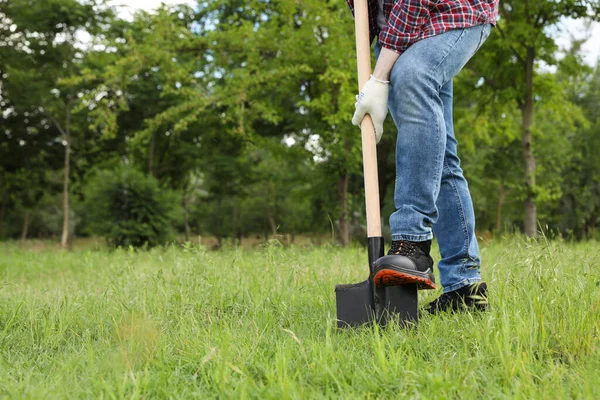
185	322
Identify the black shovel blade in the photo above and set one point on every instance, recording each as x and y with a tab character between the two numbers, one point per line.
399	303
354	304
361	303
357	306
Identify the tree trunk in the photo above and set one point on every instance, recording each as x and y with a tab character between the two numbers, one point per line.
25	226
590	225
234	223
343	199
500	205
218	218
271	209
527	141
272	224
186	216
2	214
64	243
151	154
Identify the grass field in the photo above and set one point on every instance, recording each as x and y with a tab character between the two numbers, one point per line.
183	322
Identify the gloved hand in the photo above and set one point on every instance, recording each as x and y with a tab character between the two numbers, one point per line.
373	100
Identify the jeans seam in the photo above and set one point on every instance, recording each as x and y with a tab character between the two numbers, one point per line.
413	238
442	156
463	222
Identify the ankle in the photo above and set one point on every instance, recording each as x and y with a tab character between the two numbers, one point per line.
425	246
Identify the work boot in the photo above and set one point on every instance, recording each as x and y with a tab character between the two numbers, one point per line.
406	263
468	297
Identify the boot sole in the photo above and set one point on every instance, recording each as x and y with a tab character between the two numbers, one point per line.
389	277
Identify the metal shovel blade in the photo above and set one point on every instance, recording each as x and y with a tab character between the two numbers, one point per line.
361	303
357	305
354	304
399	303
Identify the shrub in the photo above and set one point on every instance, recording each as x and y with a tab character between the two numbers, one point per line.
130	208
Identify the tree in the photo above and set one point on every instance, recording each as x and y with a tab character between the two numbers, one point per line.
251	70
289	71
578	210
522	43
40	80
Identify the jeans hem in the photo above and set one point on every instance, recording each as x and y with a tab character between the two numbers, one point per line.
461	284
413	238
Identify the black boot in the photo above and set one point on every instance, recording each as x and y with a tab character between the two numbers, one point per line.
468	297
407	262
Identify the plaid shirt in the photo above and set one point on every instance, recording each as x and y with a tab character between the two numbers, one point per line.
409	21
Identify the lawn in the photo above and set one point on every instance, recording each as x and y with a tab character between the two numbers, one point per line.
186	322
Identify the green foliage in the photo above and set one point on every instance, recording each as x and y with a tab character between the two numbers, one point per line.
492	116
243	109
577	212
130	208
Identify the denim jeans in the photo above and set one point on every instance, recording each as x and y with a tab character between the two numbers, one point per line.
431	194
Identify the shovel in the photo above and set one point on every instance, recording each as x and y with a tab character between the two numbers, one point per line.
364	302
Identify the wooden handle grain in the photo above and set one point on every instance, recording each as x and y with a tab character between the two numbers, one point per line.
369	146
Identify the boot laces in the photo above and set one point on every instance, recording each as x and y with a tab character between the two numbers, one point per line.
403	248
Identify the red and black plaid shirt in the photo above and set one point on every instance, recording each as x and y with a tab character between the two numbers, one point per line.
409	21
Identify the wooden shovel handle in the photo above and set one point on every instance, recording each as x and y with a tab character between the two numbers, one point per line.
369	146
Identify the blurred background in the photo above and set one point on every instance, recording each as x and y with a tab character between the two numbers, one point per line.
228	122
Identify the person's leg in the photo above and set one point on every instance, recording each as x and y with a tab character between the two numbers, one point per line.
455	226
417	106
417	109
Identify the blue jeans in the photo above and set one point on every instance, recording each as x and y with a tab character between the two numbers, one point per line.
431	194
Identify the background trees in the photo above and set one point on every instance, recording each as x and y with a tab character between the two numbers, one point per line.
242	109
48	55
524	42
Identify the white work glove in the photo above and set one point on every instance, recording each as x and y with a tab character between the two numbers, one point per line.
373	100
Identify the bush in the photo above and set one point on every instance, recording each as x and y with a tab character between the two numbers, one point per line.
130	208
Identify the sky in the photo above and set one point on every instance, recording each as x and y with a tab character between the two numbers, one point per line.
576	29
567	28
129	6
